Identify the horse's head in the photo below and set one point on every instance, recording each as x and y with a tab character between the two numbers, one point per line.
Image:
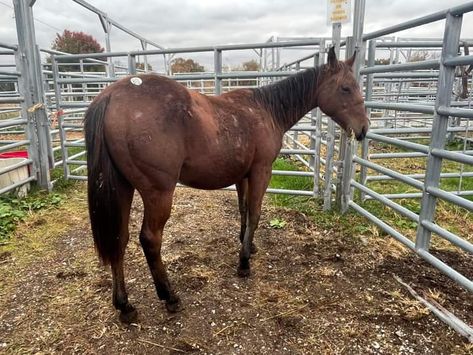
339	96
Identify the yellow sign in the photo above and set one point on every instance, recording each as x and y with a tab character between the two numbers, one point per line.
338	11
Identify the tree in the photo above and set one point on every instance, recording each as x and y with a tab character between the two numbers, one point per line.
381	61
419	56
141	66
181	65
77	43
251	65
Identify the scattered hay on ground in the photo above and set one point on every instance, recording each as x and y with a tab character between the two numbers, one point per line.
312	290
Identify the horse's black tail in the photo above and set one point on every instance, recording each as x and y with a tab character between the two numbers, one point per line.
102	185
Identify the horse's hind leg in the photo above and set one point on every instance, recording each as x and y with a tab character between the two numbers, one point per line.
119	295
242	190
257	184
157	211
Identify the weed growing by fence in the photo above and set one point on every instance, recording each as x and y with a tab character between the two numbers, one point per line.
14	210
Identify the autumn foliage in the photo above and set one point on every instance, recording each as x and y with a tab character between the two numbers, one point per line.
181	65
251	65
76	42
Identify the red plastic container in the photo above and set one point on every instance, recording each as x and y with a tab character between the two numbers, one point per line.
17	154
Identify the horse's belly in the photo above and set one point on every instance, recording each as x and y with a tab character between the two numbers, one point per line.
211	175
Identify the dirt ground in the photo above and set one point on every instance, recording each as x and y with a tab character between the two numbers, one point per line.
311	291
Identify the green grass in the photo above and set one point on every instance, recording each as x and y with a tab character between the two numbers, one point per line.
14	210
58	173
451	217
447	215
9	115
289	183
418	165
349	224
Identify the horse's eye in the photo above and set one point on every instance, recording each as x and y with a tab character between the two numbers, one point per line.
345	89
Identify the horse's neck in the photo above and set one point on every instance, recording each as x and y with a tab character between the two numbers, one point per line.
290	99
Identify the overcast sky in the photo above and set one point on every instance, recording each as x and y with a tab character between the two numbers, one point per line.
178	23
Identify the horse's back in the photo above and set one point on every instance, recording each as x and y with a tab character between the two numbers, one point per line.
157	128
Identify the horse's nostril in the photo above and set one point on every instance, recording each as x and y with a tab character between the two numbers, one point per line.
362	134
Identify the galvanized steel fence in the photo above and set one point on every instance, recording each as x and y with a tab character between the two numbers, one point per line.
435	127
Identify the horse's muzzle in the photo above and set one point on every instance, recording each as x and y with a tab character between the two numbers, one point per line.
360	136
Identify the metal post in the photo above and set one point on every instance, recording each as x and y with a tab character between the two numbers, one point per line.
33	107
368	95
259	81
350	146
349	48
218	71
313	122
144	45
451	38
318	132
329	159
358	23
84	85
107	27
62	132
132	64
167	69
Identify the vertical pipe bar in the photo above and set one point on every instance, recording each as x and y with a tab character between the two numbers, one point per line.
318	132
144	45
358	24
132	64
107	26
368	96
329	160
62	132
451	39
44	131
349	49
218	71
313	117
278	55
84	85
259	81
33	107
350	148
30	129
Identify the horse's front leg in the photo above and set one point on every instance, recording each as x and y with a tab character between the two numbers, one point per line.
257	183
157	211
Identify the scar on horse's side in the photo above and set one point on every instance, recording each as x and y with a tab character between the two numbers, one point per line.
148	133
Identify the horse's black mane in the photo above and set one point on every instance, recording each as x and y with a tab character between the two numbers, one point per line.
289	99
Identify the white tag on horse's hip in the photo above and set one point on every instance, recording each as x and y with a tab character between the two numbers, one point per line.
136	81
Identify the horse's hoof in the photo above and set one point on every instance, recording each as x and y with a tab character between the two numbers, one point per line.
129	315
243	272
253	248
173	305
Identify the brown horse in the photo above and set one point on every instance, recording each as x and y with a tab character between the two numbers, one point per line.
148	132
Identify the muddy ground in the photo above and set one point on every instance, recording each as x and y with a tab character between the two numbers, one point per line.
311	291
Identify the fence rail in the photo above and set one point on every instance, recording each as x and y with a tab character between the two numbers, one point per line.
396	125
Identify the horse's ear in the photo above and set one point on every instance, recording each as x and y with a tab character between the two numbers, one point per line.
351	60
332	58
